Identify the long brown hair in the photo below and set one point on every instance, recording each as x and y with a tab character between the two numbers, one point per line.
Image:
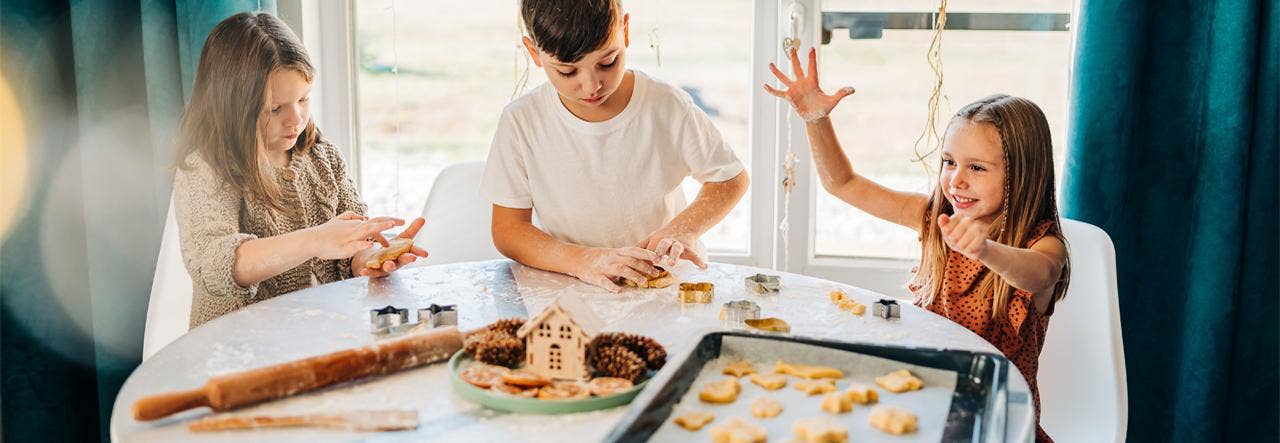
229	96
1028	197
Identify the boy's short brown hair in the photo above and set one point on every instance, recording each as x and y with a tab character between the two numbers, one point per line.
570	29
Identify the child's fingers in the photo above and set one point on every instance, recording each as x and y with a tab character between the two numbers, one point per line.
944	224
776	93
781	77
405	259
639	253
844	92
369	229
377	236
418	251
674	253
349	216
813	63
695	258
412	230
795	64
640	266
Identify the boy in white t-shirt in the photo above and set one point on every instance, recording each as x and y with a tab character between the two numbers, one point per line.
599	152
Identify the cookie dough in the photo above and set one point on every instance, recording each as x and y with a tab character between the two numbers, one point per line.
723	391
771	382
820	430
862	394
836	403
892	420
806	371
739	368
695	420
392	251
815	387
900	381
764	407
662	280
737	430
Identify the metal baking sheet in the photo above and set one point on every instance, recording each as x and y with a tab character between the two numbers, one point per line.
963	398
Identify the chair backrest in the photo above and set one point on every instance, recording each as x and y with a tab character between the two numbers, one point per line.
1083	390
169	309
457	217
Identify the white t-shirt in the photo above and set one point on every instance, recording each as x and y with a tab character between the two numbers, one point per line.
605	184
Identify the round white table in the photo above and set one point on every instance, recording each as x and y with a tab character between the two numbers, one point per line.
335	316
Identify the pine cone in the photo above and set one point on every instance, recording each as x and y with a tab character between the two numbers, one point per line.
508	326
500	349
648	349
617	361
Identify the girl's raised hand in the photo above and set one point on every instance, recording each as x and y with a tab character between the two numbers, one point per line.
348	233
804	93
360	258
965	235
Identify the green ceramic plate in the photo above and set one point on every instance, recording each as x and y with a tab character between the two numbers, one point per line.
503	402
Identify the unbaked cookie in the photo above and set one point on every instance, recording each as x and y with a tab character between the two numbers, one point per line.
695	420
392	251
737	430
771	382
862	394
900	381
815	387
836	403
723	391
806	371
892	420
662	280
765	407
739	368
820	430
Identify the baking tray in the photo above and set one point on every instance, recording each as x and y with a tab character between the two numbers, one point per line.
977	410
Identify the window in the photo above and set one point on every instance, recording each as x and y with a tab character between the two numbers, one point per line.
880	123
433	77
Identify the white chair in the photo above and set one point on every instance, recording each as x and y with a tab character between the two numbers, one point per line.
458	218
1083	391
169	309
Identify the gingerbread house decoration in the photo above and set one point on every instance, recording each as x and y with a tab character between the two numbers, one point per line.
555	340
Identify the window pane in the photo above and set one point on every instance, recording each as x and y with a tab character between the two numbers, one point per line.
458	67
880	123
456	70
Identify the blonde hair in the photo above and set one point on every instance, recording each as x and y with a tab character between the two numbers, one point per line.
229	96
1028	197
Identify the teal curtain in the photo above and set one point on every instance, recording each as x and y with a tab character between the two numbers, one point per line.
99	88
1173	152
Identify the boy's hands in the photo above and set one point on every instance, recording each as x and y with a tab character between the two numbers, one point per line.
348	233
360	258
804	92
604	266
672	246
965	235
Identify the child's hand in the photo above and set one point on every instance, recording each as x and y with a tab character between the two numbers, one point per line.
804	93
358	261
604	266
348	233
670	247
965	235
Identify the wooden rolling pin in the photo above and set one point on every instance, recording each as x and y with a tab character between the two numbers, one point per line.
360	421
258	385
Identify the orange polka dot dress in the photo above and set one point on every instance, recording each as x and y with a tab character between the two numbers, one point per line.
1020	337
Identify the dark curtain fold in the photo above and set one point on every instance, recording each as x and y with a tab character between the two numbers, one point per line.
97	88
1173	152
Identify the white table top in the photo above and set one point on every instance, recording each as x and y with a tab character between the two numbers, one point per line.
335	316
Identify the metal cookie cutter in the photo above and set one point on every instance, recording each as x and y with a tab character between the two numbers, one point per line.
886	309
701	292
382	320
763	283
435	316
737	311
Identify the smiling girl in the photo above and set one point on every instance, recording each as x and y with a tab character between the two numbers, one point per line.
992	255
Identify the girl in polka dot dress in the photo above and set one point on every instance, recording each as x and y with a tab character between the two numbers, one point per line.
992	255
